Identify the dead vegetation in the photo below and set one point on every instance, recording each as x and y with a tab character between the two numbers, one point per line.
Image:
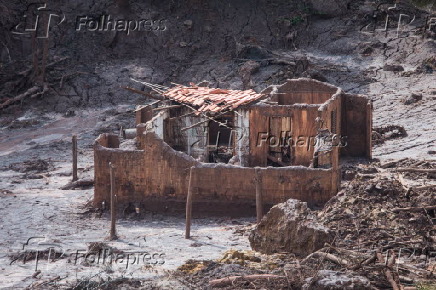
104	284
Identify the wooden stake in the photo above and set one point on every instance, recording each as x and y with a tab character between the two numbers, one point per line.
259	203
74	158
189	206
113	235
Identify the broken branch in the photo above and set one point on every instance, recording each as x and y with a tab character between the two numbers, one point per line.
32	92
78	183
422	170
330	257
229	281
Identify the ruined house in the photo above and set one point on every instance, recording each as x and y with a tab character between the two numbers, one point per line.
288	140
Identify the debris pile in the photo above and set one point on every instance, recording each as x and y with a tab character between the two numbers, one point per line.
385	238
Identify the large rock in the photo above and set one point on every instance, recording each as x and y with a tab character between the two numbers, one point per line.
290	227
330	280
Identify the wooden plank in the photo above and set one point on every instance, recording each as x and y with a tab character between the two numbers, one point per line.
74	139
189	206
369	130
259	193
113	235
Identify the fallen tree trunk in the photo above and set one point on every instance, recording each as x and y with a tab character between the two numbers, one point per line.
29	92
229	281
33	92
78	183
421	170
414	209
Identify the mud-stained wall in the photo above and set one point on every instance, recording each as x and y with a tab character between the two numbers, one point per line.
303	91
159	174
356	125
297	121
129	166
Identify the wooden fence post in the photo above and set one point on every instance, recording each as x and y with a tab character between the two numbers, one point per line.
113	234
74	139
189	206
259	203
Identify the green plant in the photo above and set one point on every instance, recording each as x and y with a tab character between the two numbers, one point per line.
296	20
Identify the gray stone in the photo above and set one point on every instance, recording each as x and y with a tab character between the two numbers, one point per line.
330	280
290	227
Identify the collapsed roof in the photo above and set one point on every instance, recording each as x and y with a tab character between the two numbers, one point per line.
211	99
205	99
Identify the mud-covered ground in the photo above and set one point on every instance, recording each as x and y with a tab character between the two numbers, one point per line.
211	41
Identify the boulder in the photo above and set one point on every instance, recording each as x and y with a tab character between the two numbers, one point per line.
413	98
330	280
290	227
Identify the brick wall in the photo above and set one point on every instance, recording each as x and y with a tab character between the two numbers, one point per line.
158	176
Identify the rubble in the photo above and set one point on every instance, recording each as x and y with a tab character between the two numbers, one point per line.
290	227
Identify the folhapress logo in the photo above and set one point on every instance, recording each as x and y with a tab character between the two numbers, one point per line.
38	19
109	23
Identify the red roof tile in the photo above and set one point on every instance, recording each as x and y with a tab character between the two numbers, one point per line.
211	99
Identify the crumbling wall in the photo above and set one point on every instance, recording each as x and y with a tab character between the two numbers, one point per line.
143	114
356	125
329	118
303	91
299	121
303	107
159	175
129	179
